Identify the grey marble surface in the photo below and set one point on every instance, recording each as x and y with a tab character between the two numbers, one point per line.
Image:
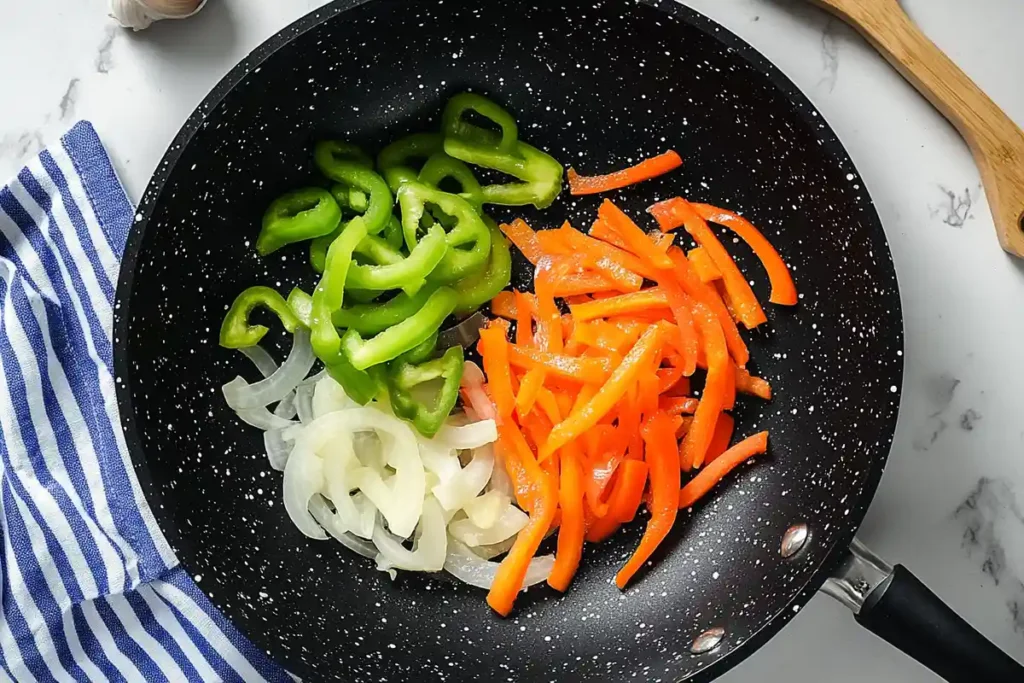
950	504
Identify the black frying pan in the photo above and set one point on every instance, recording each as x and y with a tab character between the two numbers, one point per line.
598	85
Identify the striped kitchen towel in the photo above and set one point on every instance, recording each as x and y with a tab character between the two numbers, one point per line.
89	588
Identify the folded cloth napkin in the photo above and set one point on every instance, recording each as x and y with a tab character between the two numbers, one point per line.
89	588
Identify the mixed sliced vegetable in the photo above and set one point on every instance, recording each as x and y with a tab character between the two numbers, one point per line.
405	452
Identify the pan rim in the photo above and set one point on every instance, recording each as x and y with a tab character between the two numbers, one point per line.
678	12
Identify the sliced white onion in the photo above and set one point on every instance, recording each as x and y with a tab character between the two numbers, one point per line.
473	383
286	406
261	418
278	449
510	523
241	395
328	397
339	464
303	479
461	563
469	482
429	547
490	551
473	435
500	481
400	500
444	462
304	403
261	358
369	448
322	514
485	510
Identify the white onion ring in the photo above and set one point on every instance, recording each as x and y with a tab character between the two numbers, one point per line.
468	483
241	395
467	567
511	522
277	448
473	435
322	514
261	358
303	479
429	547
261	418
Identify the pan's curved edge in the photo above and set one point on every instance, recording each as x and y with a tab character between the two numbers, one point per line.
251	63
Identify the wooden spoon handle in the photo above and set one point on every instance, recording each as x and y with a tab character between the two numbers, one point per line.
996	141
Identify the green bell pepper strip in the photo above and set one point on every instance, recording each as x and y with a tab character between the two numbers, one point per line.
362	386
393	233
454	126
402	337
335	161
340	150
476	291
540	173
403	377
237	333
420	353
373	318
394	161
301	304
377	250
440	166
410	273
297	216
330	292
350	198
361	296
458	264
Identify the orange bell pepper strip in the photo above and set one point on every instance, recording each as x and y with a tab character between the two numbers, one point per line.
669	377
549	318
570	534
508	580
647	386
625	280
601	529
678	405
702	263
624	304
523	309
587	282
722	437
600	335
585	370
628	491
720	373
529	387
783	289
625	375
629	424
512	460
674	212
659	434
601	249
682	310
645	170
552	243
525	239
636	239
706	479
684	427
601	230
494	350
504	305
548	405
754	386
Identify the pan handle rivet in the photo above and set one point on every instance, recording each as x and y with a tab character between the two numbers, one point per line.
708	641
794	539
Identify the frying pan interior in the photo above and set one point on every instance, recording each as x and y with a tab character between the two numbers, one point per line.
598	85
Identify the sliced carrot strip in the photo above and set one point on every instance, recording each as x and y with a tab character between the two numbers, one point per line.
495	353
783	289
702	263
706	479
603	231
600	334
524	318
755	386
684	427
645	170
624	304
530	386
629	424
583	370
723	435
601	248
504	304
625	499
674	212
663	462
552	243
625	375
587	282
636	239
720	372
571	532
525	239
677	405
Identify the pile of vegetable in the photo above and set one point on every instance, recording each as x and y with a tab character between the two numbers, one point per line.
388	283
594	407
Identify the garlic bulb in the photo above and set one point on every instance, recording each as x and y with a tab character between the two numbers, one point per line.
139	14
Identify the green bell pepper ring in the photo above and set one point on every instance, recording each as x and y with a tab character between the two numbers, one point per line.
440	166
330	292
361	386
378	251
476	291
340	150
237	333
301	304
462	263
334	161
404	377
373	318
402	337
413	198
393	233
420	353
540	173
297	216
394	160
350	198
454	126
410	273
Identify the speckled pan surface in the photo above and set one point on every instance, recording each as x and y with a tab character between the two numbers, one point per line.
598	85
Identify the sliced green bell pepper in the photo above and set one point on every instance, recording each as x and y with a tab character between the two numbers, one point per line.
362	386
454	126
350	198
410	273
402	337
420	353
395	159
540	173
440	166
330	292
297	216
301	304
335	160
393	233
237	333
377	317
404	377
469	229
476	291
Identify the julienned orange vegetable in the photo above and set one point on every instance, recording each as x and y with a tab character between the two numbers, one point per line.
525	239
702	263
636	239
783	289
504	305
582	370
722	437
586	244
720	372
601	230
676	212
706	479
645	170
494	352
624	304
755	386
573	527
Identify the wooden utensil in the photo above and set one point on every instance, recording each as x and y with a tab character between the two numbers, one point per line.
996	141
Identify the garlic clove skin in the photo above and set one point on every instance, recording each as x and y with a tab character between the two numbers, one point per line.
139	14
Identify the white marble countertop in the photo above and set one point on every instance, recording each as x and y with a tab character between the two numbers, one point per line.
950	503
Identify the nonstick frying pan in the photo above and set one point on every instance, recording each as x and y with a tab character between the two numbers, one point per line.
597	84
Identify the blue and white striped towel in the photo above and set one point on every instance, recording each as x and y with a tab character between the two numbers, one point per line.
90	589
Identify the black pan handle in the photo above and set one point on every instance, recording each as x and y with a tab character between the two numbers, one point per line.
893	604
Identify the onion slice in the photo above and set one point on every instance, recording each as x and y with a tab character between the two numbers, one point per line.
322	514
510	523
429	547
241	395
261	358
469	482
473	435
303	479
461	563
278	449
